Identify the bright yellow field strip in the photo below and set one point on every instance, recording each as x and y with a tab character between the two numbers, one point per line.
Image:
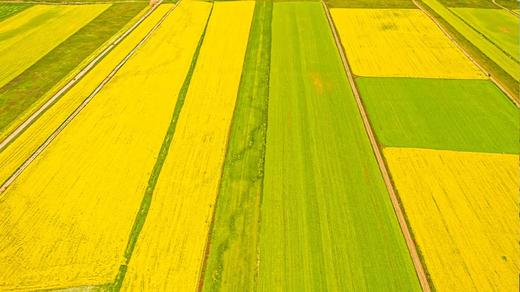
170	250
399	43
32	33
463	211
17	152
65	221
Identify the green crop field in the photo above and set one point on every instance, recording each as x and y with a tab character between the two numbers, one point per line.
370	4
232	259
465	115
22	92
326	218
498	25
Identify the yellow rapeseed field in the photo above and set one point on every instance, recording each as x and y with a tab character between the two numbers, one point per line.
32	33
399	43
463	211
65	221
18	151
170	250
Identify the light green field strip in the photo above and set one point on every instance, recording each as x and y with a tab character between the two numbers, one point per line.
498	25
232	259
66	219
490	50
171	246
12	157
35	31
327	222
463	115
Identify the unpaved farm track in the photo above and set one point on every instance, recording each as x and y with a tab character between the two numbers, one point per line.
49	103
380	161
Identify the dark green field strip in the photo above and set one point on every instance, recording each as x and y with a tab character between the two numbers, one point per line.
19	94
511	4
232	258
327	222
465	115
10	9
370	4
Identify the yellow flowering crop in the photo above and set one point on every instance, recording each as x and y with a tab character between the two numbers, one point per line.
65	221
399	43
463	211
170	250
29	35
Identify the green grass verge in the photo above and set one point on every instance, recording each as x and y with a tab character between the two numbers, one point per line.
327	223
19	94
232	258
370	4
505	69
499	26
464	115
10	9
156	171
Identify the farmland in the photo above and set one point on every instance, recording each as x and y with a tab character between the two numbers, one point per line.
363	145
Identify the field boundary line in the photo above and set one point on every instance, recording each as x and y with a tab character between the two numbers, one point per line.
85	102
146	201
45	106
412	249
509	94
505	8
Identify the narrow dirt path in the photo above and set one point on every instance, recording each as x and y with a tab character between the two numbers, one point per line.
381	163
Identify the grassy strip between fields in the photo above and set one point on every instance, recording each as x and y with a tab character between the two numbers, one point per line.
231	263
370	4
500	74
22	92
156	171
8	10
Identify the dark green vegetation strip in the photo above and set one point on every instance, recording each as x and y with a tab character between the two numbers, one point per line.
8	9
511	4
140	218
232	257
370	3
464	115
489	65
327	220
23	91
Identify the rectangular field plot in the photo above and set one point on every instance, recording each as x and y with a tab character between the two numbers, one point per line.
170	249
498	25
30	34
463	211
14	154
326	218
66	219
399	43
465	115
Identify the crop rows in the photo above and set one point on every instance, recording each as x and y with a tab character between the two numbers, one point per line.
259	146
